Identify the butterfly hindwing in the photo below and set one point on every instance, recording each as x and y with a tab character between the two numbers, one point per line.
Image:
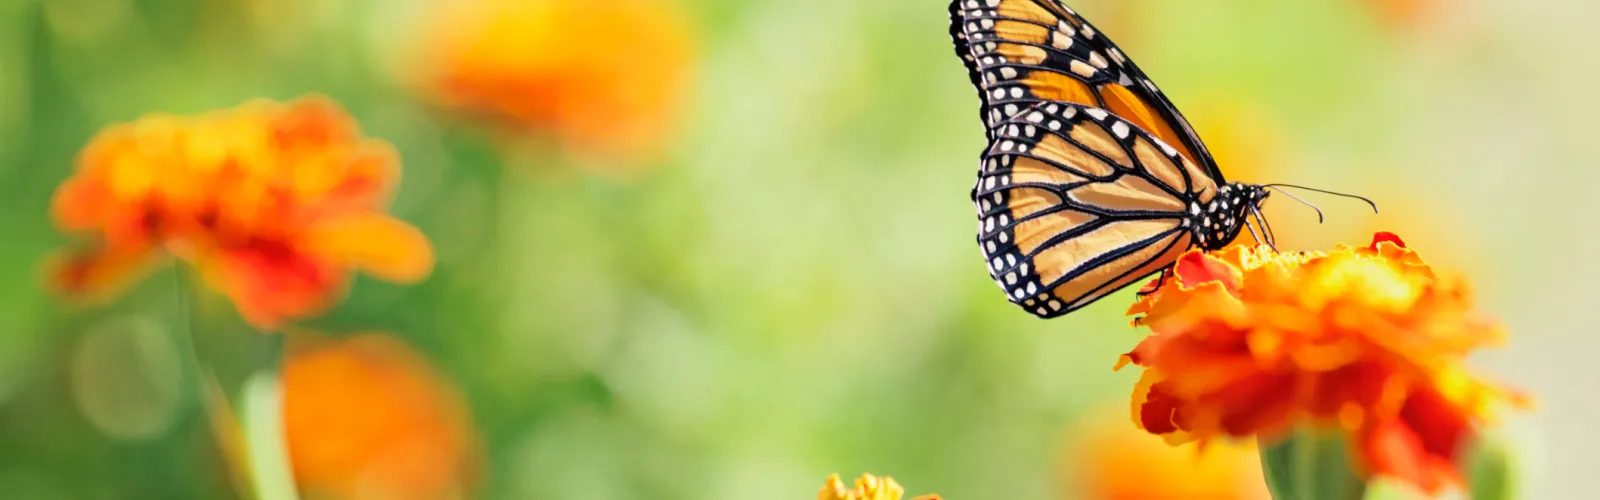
1075	203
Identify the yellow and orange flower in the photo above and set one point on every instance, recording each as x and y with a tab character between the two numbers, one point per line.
1106	459
868	487
605	76
367	417
275	204
1252	343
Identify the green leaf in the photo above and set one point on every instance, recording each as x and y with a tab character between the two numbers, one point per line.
1388	489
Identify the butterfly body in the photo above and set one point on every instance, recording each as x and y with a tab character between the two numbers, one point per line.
1091	179
1220	221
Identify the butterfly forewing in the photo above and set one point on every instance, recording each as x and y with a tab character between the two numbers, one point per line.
1022	52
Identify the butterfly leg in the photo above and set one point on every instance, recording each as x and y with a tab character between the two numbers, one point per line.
1272	239
1148	289
1253	234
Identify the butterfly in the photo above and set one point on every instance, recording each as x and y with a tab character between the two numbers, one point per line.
1091	179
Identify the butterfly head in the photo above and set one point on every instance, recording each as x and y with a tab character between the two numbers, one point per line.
1217	222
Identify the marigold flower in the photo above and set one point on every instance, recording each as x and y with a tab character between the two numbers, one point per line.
1250	342
605	76
1106	459
868	487
275	204
367	417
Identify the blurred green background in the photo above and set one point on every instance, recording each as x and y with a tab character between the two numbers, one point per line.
791	288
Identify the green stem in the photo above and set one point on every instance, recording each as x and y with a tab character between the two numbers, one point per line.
263	471
184	310
1311	465
263	423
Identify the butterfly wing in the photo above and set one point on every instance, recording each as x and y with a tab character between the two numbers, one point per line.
1075	203
1022	52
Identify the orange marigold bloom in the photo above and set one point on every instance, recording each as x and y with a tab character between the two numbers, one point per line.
868	487
1250	342
606	76
274	203
367	417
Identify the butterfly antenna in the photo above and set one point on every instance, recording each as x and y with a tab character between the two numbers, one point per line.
1346	195
1297	198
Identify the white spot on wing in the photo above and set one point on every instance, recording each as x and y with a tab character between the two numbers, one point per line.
1081	69
1097	60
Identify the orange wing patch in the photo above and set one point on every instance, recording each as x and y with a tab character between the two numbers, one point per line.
1090	286
1018	31
1034	233
1026	10
1058	150
1128	194
1094	137
1030	170
1130	107
1025	54
1026	201
1067	257
1160	165
1052	86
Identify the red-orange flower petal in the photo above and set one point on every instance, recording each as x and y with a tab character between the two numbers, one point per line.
377	244
1386	237
1196	267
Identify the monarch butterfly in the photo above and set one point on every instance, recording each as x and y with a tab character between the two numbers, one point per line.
1091	179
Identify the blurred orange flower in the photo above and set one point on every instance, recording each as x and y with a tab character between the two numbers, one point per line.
1250	342
1400	15
275	204
868	487
367	418
1109	460
605	76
